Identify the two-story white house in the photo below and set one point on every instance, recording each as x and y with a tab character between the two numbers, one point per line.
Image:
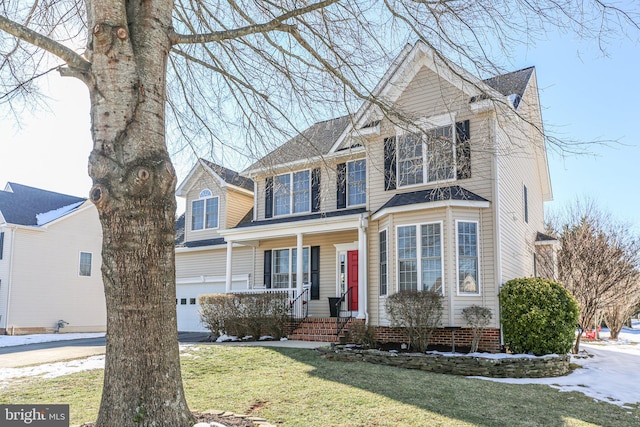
446	193
50	246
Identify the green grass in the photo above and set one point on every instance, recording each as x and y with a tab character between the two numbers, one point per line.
295	387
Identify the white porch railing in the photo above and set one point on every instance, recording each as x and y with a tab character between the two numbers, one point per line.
298	302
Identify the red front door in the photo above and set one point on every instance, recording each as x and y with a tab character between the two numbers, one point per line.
352	279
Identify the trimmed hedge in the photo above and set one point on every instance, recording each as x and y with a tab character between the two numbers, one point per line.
539	316
245	314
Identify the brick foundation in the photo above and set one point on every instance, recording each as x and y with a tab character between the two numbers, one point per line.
490	340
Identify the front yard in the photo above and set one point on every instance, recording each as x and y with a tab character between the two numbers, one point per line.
295	387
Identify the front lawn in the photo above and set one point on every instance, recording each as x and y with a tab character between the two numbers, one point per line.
295	387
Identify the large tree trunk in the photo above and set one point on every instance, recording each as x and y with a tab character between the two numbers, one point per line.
134	184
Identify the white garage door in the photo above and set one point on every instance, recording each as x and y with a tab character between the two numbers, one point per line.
187	292
188	309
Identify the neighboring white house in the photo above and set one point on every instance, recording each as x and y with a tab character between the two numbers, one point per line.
50	247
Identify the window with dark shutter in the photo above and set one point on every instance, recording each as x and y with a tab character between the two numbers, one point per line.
463	150
390	163
267	269
268	198
526	203
315	190
341	182
315	272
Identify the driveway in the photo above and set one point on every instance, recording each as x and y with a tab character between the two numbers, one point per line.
56	351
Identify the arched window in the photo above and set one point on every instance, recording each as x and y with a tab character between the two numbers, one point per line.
204	211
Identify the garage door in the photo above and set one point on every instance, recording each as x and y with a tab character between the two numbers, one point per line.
188	309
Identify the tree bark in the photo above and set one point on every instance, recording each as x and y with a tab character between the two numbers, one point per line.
134	185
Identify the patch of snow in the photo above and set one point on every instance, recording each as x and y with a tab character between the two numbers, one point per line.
45	217
266	338
226	338
284	339
51	370
13	340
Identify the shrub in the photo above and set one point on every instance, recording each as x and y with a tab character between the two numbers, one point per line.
245	314
477	318
361	334
539	316
419	313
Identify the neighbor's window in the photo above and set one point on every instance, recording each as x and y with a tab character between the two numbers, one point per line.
292	198
383	263
526	203
205	211
467	257
1	243
85	263
426	274
357	182
426	158
285	267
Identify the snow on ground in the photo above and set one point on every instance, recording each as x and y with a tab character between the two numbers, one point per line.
609	370
12	340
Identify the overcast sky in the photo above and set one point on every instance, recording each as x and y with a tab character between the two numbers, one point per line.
585	96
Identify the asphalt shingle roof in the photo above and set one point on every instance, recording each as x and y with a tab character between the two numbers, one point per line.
315	141
513	83
230	176
454	192
301	217
22	203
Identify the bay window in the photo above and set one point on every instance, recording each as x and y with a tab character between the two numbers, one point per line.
420	260
467	241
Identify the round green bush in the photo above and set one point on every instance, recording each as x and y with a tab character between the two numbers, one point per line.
539	316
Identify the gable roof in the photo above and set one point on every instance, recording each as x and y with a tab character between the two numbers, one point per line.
24	205
230	176
511	84
224	175
316	140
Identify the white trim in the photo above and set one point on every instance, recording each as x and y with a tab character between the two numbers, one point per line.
427	123
482	106
477	204
418	228
478	283
194	280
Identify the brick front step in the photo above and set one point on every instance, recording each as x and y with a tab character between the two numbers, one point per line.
318	329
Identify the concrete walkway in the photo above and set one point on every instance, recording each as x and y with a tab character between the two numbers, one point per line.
33	354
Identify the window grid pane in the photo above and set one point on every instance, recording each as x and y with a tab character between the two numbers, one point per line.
440	163
281	268
85	263
212	213
407	259
383	262
301	192
197	215
357	182
431	257
281	194
467	257
410	167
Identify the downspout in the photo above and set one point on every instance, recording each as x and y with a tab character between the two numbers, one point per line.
497	220
453	259
9	281
366	272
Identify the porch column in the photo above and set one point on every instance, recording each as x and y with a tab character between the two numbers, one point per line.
229	273
299	264
362	262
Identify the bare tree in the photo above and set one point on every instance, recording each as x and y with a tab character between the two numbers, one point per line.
623	304
235	76
596	262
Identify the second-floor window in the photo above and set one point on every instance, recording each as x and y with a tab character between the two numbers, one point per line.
292	193
424	158
357	182
205	211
